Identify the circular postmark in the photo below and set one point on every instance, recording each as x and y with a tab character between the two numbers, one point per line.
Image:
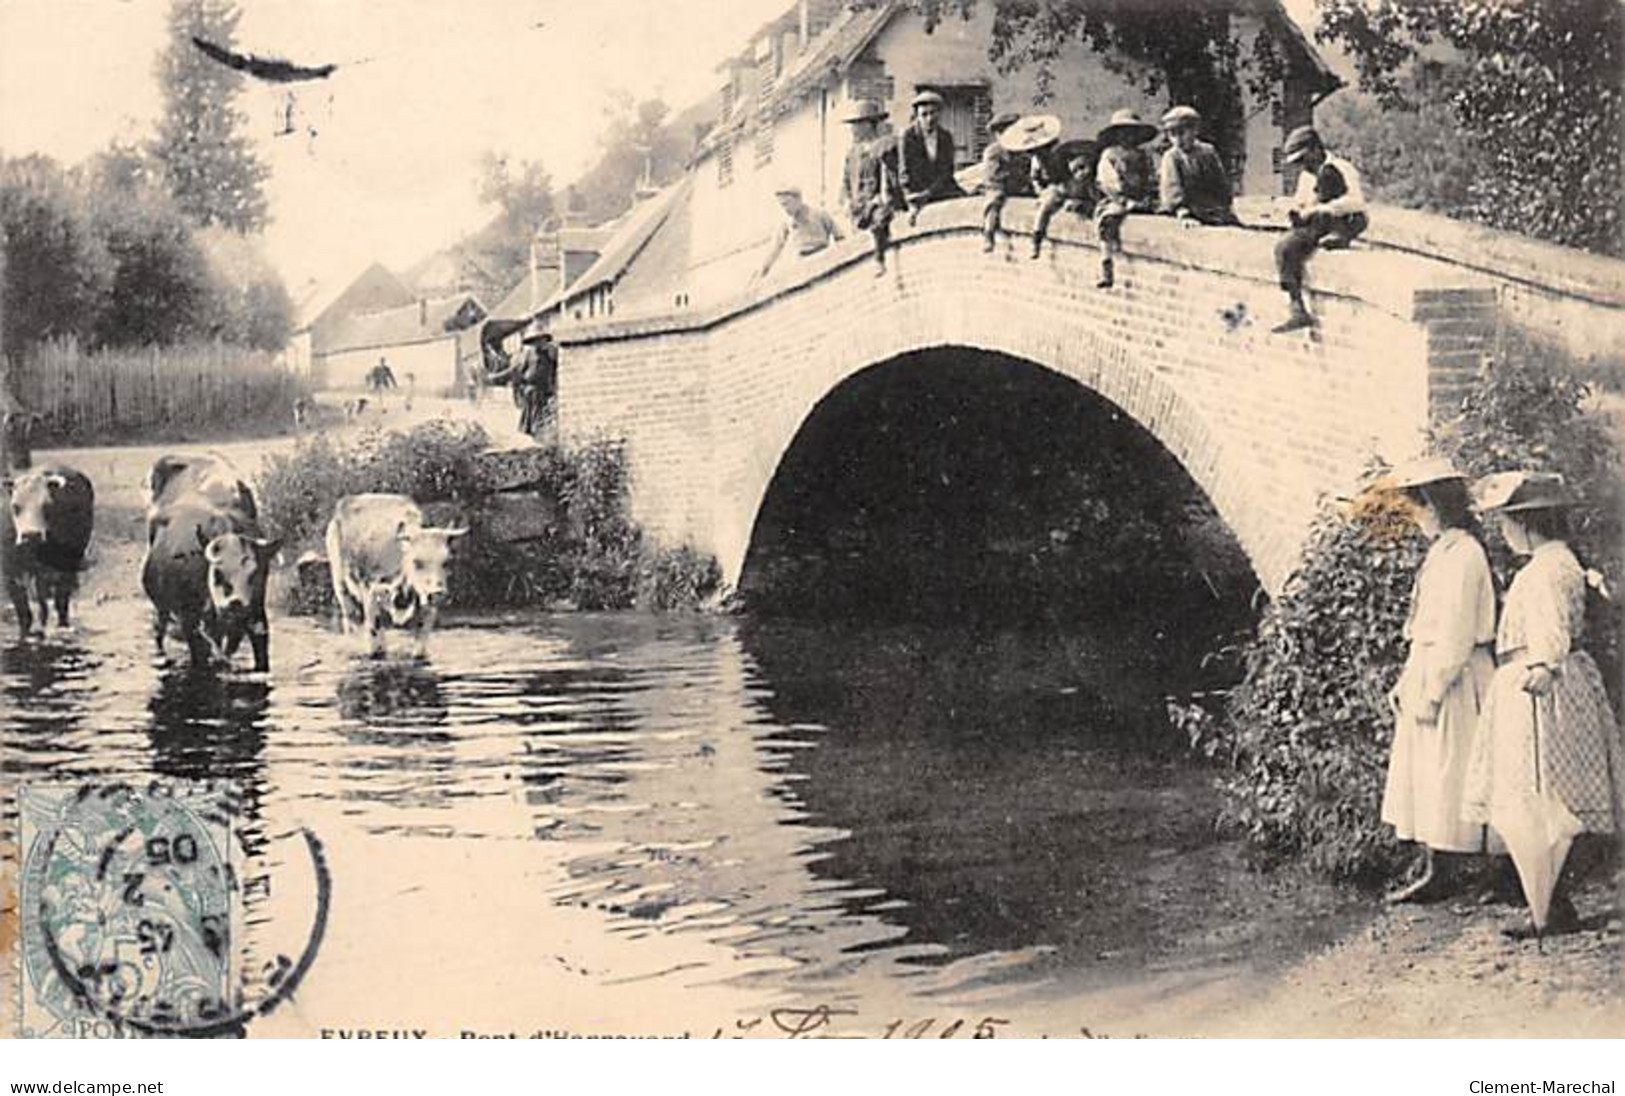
131	909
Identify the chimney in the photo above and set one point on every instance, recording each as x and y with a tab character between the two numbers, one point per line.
805	24
423	312
544	257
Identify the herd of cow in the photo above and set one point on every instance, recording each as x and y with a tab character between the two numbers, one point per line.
207	564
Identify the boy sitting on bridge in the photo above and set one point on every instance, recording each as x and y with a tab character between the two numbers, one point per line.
1328	212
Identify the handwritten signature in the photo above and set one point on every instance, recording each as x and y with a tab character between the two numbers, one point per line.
820	1022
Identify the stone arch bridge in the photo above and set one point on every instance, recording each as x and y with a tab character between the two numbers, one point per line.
709	401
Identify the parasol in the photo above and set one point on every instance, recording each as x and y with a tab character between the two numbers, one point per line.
1538	834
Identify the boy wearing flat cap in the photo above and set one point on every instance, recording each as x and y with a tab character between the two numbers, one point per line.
1195	185
926	164
1001	178
812	229
1328	211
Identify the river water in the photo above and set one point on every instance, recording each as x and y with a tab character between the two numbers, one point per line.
613	823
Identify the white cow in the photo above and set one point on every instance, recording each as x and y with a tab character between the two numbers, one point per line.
384	561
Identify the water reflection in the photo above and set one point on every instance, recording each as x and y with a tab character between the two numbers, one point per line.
805	809
392	693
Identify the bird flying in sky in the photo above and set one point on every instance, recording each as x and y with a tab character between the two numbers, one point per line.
273	69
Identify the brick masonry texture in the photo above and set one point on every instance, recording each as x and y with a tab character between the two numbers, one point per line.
1267	425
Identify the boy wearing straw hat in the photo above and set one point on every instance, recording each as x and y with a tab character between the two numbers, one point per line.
1195	186
1064	174
1328	211
869	188
1126	177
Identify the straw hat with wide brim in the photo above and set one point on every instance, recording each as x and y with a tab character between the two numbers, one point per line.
535	331
1514	492
1127	123
1422	470
1031	132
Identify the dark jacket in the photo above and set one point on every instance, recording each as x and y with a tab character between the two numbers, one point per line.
925	179
1198	182
869	174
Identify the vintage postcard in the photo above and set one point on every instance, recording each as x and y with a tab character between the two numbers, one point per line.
912	519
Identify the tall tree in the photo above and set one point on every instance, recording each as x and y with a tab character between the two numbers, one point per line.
207	159
497	257
638	140
1537	88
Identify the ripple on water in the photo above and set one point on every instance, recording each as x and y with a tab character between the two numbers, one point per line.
829	807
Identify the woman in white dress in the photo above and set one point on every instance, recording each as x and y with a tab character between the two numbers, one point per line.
1547	724
1446	677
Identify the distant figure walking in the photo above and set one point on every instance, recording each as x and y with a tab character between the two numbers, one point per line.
380	377
1328	212
1195	185
869	187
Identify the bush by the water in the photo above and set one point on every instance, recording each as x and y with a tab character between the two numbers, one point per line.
1304	738
586	553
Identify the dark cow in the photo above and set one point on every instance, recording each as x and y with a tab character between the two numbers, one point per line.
206	564
46	530
193	478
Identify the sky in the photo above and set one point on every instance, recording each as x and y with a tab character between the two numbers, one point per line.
424	87
391	173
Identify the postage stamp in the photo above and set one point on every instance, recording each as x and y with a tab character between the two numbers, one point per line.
127	909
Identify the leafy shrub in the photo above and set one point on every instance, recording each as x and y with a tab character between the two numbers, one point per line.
590	554
433	462
1304	739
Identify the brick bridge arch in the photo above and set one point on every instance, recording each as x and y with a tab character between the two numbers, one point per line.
708	402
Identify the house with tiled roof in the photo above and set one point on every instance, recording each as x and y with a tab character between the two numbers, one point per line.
784	94
321	308
430	344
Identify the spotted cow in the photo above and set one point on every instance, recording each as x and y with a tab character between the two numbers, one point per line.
387	565
206	565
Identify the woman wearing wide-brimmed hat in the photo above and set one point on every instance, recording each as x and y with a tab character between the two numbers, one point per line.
1548	744
1448	668
1126	177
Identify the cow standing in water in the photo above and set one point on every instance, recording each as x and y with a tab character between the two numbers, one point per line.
44	534
206	565
385	562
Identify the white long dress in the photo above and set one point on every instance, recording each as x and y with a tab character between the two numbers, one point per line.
1579	744
1450	629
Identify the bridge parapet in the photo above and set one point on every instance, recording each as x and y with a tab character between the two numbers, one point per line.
709	400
